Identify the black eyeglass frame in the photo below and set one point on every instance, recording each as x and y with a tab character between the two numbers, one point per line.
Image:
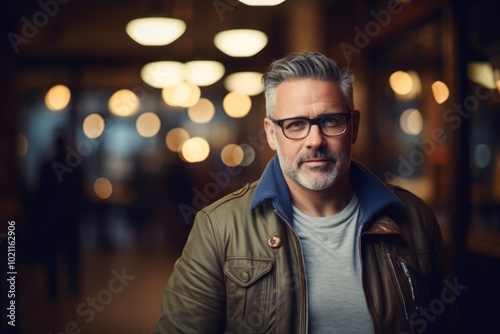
314	121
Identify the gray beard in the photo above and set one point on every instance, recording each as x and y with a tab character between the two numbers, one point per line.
330	172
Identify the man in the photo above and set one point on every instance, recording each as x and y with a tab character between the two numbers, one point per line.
318	244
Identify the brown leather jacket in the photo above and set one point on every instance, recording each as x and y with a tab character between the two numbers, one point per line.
242	270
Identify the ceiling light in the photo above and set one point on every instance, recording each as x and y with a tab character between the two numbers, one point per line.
203	72
249	83
160	74
155	30
240	42
262	2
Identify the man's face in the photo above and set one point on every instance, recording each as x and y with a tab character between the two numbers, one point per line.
316	162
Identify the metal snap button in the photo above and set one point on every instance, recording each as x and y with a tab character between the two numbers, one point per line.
274	241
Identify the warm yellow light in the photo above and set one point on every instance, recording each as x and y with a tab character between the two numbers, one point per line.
186	95
236	104
203	72
498	85
232	155
401	82
411	121
168	97
240	42
195	149
21	145
123	103
440	91
175	138
481	73
202	112
155	30
249	83
160	74
103	188
93	126
148	124
262	2
57	98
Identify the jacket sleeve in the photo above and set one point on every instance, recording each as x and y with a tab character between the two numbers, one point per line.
194	299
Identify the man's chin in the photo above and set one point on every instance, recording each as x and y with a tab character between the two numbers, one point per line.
316	184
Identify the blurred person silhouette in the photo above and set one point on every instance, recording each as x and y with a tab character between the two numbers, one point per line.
60	198
318	244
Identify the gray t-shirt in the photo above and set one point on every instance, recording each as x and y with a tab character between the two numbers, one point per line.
331	254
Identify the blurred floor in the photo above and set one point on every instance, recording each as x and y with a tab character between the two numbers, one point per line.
122	278
120	285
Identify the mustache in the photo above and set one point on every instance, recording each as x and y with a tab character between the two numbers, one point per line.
317	154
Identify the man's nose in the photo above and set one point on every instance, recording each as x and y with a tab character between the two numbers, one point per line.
315	138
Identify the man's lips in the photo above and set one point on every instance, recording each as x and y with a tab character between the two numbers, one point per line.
316	161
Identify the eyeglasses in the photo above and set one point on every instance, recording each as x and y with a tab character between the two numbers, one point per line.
331	125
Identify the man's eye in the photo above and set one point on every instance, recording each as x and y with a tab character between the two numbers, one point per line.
296	124
330	121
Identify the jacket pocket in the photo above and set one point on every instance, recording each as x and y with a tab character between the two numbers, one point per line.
247	289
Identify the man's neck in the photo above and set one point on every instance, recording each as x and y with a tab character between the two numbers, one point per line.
321	203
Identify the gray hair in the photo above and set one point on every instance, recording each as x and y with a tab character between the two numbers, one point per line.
306	65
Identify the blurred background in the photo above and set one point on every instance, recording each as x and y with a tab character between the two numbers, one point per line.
111	141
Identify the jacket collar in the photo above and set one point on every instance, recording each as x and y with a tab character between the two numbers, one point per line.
373	195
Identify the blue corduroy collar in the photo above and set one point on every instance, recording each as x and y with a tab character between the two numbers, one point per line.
373	195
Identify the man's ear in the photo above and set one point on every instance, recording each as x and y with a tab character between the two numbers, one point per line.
355	125
269	127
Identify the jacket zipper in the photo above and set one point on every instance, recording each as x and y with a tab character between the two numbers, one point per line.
410	283
389	256
301	266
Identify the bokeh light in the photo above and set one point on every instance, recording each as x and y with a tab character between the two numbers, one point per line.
124	103
261	2
236	104
57	98
249	83
240	42
103	188
401	82
148	124
195	149
411	121
167	94
175	138
186	95
93	126
440	91
162	74
202	112
155	30
203	72
482	73
232	155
